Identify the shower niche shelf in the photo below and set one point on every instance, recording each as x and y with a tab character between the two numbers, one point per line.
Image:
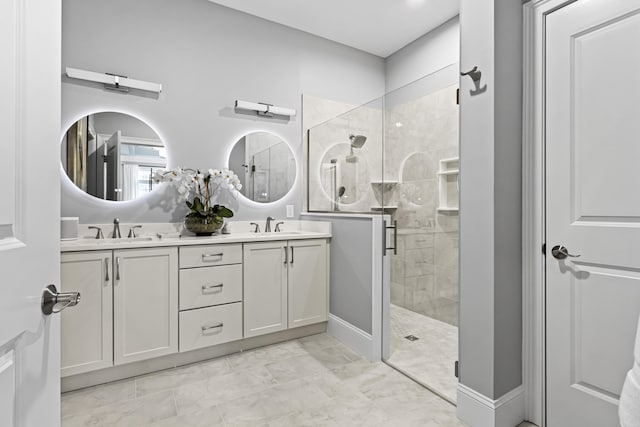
385	194
448	185
390	209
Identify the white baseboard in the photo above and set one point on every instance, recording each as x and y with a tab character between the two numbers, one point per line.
354	338
478	410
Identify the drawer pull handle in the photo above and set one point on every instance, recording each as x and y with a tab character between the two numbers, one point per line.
206	257
106	269
207	328
209	287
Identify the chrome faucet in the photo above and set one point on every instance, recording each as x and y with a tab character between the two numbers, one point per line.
99	234
267	228
132	231
116	229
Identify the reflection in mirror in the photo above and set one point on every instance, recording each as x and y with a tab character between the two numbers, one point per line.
112	156
268	164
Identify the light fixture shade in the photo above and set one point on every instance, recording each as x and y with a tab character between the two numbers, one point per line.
113	80
264	109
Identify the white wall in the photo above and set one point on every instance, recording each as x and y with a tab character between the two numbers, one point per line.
431	52
205	56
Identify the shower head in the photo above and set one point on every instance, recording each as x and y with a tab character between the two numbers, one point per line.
357	141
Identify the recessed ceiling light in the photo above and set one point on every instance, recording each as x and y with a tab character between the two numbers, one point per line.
414	4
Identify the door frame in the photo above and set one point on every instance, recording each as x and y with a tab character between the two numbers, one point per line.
533	207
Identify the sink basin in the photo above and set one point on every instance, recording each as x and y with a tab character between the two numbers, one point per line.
110	240
274	234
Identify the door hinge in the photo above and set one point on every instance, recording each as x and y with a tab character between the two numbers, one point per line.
456	366
544	249
458	96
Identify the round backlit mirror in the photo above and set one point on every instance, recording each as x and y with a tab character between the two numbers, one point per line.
112	156
265	165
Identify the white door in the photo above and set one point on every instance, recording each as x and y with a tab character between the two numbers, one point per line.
29	210
307	282
265	288
592	207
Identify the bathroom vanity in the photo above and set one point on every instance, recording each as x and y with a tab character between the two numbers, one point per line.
150	302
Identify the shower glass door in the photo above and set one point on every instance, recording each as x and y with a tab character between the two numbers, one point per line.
419	194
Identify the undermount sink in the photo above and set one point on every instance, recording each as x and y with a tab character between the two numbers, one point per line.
111	240
276	233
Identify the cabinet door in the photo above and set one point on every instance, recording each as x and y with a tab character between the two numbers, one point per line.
307	282
86	330
265	288
145	294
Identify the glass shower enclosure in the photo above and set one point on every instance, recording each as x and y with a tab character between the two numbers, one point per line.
397	156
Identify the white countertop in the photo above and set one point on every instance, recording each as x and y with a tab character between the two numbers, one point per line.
293	230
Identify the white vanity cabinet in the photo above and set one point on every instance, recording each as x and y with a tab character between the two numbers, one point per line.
307	282
142	301
265	287
145	303
285	285
210	295
87	330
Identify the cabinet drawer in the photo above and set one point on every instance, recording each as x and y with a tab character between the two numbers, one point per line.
202	287
206	256
210	326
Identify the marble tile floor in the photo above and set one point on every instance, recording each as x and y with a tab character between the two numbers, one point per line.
312	381
429	360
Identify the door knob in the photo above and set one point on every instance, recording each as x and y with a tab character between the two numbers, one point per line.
54	301
560	252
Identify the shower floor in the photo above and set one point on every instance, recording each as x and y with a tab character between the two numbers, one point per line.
430	359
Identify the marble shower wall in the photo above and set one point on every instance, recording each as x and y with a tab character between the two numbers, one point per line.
418	134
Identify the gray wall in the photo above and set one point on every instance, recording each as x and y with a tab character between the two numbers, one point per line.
490	203
351	269
431	52
205	56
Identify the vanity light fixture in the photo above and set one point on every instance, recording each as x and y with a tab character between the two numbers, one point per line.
113	81
266	110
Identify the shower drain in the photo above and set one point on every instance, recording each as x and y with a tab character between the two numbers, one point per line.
412	338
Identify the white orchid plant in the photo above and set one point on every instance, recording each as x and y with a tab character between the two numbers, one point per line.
204	186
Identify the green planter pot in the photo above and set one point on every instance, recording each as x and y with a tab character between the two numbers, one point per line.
203	226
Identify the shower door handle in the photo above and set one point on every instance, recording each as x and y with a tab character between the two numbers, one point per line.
393	227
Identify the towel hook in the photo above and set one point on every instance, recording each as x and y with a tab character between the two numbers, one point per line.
476	76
